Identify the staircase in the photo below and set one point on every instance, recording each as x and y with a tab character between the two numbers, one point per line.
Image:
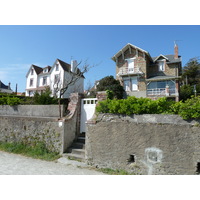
77	149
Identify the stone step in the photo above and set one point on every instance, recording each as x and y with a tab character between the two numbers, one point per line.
81	139
77	151
74	157
78	145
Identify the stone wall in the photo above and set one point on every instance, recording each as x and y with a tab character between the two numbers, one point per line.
32	110
33	124
144	144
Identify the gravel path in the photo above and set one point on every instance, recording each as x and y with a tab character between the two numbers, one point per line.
13	164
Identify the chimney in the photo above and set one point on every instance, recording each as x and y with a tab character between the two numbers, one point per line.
175	51
73	65
9	86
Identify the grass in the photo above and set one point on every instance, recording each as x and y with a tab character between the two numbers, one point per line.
114	172
39	151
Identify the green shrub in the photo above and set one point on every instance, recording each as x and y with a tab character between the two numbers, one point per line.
190	109
132	105
44	98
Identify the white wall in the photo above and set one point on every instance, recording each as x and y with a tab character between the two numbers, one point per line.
29	77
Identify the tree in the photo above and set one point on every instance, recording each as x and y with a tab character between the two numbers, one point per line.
191	72
111	84
191	79
79	71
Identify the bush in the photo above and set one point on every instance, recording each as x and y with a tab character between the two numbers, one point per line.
132	105
44	98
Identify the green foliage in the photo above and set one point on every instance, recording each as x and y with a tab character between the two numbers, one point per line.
132	105
190	109
191	71
186	91
110	94
37	151
111	84
44	98
8	100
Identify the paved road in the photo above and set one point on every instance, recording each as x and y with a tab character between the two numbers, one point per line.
13	164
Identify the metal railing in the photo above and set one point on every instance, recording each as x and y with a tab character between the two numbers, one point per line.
161	92
125	71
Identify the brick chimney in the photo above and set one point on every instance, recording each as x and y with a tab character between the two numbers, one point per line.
175	51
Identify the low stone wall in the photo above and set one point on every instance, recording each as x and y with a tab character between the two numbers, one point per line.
32	124
32	110
144	144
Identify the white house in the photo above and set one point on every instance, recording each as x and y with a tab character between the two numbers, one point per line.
55	77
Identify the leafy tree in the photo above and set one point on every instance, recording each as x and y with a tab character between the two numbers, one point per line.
191	78
191	72
111	84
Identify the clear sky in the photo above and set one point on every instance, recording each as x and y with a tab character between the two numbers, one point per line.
21	46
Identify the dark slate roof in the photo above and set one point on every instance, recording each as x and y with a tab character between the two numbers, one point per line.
159	78
2	86
64	65
170	58
37	69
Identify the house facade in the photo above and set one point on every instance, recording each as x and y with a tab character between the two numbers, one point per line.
144	76
5	88
55	77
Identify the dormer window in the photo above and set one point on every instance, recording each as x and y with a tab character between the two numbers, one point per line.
45	70
161	65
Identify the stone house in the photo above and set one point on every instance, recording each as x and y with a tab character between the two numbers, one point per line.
144	76
55	77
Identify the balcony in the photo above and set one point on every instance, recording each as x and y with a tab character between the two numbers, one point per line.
162	92
129	71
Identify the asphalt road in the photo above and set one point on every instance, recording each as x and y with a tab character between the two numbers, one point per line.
13	164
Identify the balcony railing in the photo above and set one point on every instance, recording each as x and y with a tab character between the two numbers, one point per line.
162	92
126	71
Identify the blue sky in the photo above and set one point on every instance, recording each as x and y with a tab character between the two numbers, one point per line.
21	46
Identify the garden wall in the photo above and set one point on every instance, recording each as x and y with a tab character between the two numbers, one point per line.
32	124
144	144
32	110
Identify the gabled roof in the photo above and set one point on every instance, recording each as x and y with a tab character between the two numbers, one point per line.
126	47
64	65
161	56
37	69
3	86
169	58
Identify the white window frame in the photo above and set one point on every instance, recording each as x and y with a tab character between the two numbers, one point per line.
131	64
161	65
44	80
57	67
134	78
31	82
127	87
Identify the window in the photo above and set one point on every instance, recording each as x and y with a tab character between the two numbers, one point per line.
161	66
44	82
31	82
45	70
57	67
130	62
127	85
32	71
56	78
161	84
131	84
134	83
